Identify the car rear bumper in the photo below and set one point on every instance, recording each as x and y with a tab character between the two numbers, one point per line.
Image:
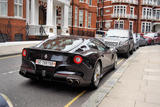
69	77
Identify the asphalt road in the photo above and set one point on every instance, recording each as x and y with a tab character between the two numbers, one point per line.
26	93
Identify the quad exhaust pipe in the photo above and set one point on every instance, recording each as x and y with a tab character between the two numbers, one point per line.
73	82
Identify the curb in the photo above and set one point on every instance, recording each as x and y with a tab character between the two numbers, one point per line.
97	97
11	54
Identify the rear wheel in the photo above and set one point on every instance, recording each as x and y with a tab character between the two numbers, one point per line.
127	54
96	76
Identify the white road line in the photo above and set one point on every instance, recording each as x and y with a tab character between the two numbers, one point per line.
7	100
10	72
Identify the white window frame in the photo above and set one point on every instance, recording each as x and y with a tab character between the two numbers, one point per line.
2	2
80	18
87	1
76	16
18	4
90	2
89	20
148	12
132	9
70	16
119	22
117	9
147	27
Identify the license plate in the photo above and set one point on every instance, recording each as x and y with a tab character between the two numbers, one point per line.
45	63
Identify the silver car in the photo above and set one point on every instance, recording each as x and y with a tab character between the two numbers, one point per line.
122	40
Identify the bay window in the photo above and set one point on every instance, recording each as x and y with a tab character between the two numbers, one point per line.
3	7
18	8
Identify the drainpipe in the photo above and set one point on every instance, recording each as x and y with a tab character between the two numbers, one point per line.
138	16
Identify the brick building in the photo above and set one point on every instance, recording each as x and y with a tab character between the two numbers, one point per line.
140	16
12	19
82	17
20	19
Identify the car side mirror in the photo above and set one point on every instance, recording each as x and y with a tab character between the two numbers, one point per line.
131	37
113	49
107	48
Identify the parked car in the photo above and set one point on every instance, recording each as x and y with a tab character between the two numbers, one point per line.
136	38
157	38
143	41
100	33
72	59
122	40
150	38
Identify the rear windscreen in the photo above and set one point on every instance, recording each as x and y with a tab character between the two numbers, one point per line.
101	33
61	43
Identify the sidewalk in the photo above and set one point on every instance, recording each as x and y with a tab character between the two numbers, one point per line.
139	86
13	48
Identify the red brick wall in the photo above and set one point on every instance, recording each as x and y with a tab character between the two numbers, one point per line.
85	7
16	25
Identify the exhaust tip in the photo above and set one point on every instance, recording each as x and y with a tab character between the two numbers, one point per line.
69	81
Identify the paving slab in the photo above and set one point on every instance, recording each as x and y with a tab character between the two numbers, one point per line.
140	83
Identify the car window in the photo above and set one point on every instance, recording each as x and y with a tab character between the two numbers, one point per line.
92	45
99	44
61	43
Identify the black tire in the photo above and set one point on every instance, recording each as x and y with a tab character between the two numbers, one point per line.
152	43
131	52
95	83
127	54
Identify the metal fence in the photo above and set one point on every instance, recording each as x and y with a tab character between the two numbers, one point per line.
5	32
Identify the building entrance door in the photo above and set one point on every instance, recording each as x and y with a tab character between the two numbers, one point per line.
42	14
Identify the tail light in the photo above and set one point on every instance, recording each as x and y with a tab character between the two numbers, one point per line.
24	52
77	59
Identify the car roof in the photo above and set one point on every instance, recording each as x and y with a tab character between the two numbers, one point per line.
71	37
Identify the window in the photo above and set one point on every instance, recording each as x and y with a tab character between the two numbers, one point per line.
90	2
70	16
18	8
119	24
100	46
86	13
80	18
131	26
132	10
89	19
76	16
147	12
146	27
3	7
101	10
119	9
81	0
92	45
87	1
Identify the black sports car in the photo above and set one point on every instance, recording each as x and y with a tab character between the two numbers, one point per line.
72	59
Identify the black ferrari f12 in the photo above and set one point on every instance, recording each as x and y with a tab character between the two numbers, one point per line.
72	59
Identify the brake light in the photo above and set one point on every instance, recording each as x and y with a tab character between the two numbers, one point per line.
24	52
78	59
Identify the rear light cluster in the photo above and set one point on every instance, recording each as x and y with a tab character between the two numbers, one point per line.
24	52
77	59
